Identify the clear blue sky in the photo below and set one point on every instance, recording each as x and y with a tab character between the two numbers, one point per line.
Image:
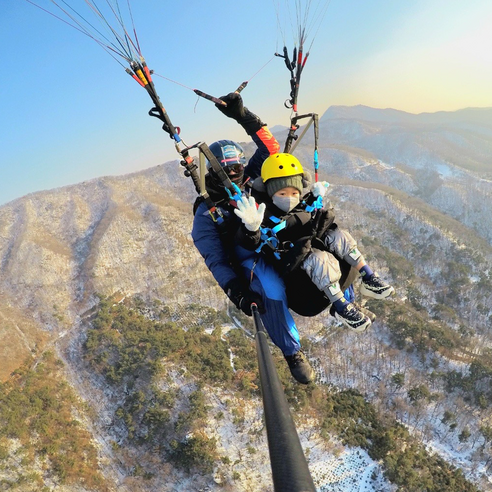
70	113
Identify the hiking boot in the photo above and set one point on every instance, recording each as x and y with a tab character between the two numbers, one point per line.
300	368
375	287
352	318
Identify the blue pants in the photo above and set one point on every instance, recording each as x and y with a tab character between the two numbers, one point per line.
278	321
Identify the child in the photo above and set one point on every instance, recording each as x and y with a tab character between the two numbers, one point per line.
296	234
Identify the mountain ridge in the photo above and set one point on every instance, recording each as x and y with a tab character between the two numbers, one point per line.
390	115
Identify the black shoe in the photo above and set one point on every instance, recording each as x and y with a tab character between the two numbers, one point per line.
375	287
300	368
352	318
365	312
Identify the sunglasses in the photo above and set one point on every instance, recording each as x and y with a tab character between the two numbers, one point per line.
235	168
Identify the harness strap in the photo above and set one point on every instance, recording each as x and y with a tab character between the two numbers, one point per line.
269	236
317	204
232	189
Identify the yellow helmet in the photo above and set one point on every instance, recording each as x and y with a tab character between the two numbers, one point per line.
280	166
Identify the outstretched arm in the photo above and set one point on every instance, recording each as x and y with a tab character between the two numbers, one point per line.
267	144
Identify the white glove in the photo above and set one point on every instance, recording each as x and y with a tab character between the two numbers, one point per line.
319	188
251	216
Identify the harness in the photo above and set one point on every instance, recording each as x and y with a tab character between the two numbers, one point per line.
268	235
315	204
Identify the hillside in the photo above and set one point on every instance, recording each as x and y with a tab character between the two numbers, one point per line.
95	277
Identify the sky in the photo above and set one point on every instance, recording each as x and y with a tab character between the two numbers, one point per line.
70	113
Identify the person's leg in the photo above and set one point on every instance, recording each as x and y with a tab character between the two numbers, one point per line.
277	318
343	245
324	271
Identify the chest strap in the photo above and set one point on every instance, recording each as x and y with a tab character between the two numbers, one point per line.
269	236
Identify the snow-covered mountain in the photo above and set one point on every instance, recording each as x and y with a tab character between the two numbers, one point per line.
415	192
442	158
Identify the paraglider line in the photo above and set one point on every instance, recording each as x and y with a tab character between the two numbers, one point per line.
173	81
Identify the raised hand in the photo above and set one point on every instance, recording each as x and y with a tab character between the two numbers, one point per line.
320	188
251	215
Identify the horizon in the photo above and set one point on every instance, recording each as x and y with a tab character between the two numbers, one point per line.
243	139
409	112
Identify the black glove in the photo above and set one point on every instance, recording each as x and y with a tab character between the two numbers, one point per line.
235	110
243	297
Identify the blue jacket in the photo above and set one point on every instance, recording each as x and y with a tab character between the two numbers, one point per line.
216	243
213	241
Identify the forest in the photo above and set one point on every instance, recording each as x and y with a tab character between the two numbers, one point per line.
132	349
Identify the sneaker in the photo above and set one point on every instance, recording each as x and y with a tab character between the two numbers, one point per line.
353	318
365	312
375	287
300	368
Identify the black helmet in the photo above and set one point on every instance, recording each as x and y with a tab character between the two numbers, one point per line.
231	157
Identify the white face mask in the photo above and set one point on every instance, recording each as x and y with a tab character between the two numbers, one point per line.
285	203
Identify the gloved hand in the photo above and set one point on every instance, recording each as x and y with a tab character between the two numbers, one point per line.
251	216
320	188
243	297
234	108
